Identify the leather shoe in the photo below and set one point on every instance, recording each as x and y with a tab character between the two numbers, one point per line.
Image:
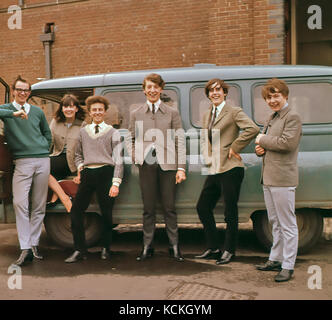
105	254
25	257
210	254
175	253
36	253
225	258
283	275
147	252
269	266
76	256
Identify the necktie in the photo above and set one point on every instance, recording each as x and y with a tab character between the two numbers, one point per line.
269	124
213	117
153	109
96	128
22	107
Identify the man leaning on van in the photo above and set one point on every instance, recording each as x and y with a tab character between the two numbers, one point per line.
279	147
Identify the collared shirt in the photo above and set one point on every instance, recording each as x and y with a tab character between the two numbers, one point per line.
101	126
218	108
19	107
156	105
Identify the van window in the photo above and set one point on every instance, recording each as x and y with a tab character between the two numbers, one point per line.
126	101
311	100
49	107
200	103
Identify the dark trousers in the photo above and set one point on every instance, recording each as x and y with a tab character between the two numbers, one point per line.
154	182
227	184
59	166
93	180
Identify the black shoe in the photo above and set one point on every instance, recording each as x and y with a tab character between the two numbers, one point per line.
284	275
175	253
76	256
269	266
225	258
147	252
105	254
25	257
36	253
210	254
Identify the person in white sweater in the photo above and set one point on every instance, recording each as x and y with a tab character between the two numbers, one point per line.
99	161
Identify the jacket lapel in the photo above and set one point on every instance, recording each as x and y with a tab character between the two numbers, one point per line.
223	112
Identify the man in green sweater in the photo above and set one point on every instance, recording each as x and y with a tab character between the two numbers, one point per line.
29	139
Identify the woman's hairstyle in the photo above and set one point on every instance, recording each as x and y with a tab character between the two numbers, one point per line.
68	100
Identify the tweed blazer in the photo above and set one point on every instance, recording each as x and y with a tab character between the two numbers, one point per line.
61	136
164	130
281	144
225	135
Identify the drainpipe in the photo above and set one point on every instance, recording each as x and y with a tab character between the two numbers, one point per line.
47	38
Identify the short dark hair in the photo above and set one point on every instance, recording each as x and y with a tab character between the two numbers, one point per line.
275	85
68	100
220	82
19	78
96	99
155	78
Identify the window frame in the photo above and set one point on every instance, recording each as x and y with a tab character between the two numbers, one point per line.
289	83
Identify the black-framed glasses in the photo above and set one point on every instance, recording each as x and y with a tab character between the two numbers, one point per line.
22	90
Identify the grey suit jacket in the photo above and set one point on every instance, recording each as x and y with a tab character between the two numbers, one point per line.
225	135
163	130
281	144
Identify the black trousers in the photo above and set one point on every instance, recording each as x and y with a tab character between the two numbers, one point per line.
227	184
155	182
93	180
59	166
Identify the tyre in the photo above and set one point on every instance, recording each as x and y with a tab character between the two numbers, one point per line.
309	222
58	228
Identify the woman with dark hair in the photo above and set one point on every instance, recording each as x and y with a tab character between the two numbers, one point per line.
65	129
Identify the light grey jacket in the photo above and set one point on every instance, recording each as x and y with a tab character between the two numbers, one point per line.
281	144
163	130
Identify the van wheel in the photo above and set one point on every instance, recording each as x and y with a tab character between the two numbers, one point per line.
309	222
58	228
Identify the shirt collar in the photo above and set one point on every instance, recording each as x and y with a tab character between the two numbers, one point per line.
101	125
219	107
156	105
19	107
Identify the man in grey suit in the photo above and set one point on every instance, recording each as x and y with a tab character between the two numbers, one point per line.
157	146
279	146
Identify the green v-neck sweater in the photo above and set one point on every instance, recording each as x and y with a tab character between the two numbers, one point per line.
29	138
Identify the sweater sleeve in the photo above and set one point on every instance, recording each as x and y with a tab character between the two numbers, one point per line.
117	155
5	113
45	129
79	159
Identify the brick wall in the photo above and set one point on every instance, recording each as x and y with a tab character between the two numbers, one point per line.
95	36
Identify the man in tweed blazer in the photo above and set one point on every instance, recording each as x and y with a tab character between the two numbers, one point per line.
221	142
279	146
157	146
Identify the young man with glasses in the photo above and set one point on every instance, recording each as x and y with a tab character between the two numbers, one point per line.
29	138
